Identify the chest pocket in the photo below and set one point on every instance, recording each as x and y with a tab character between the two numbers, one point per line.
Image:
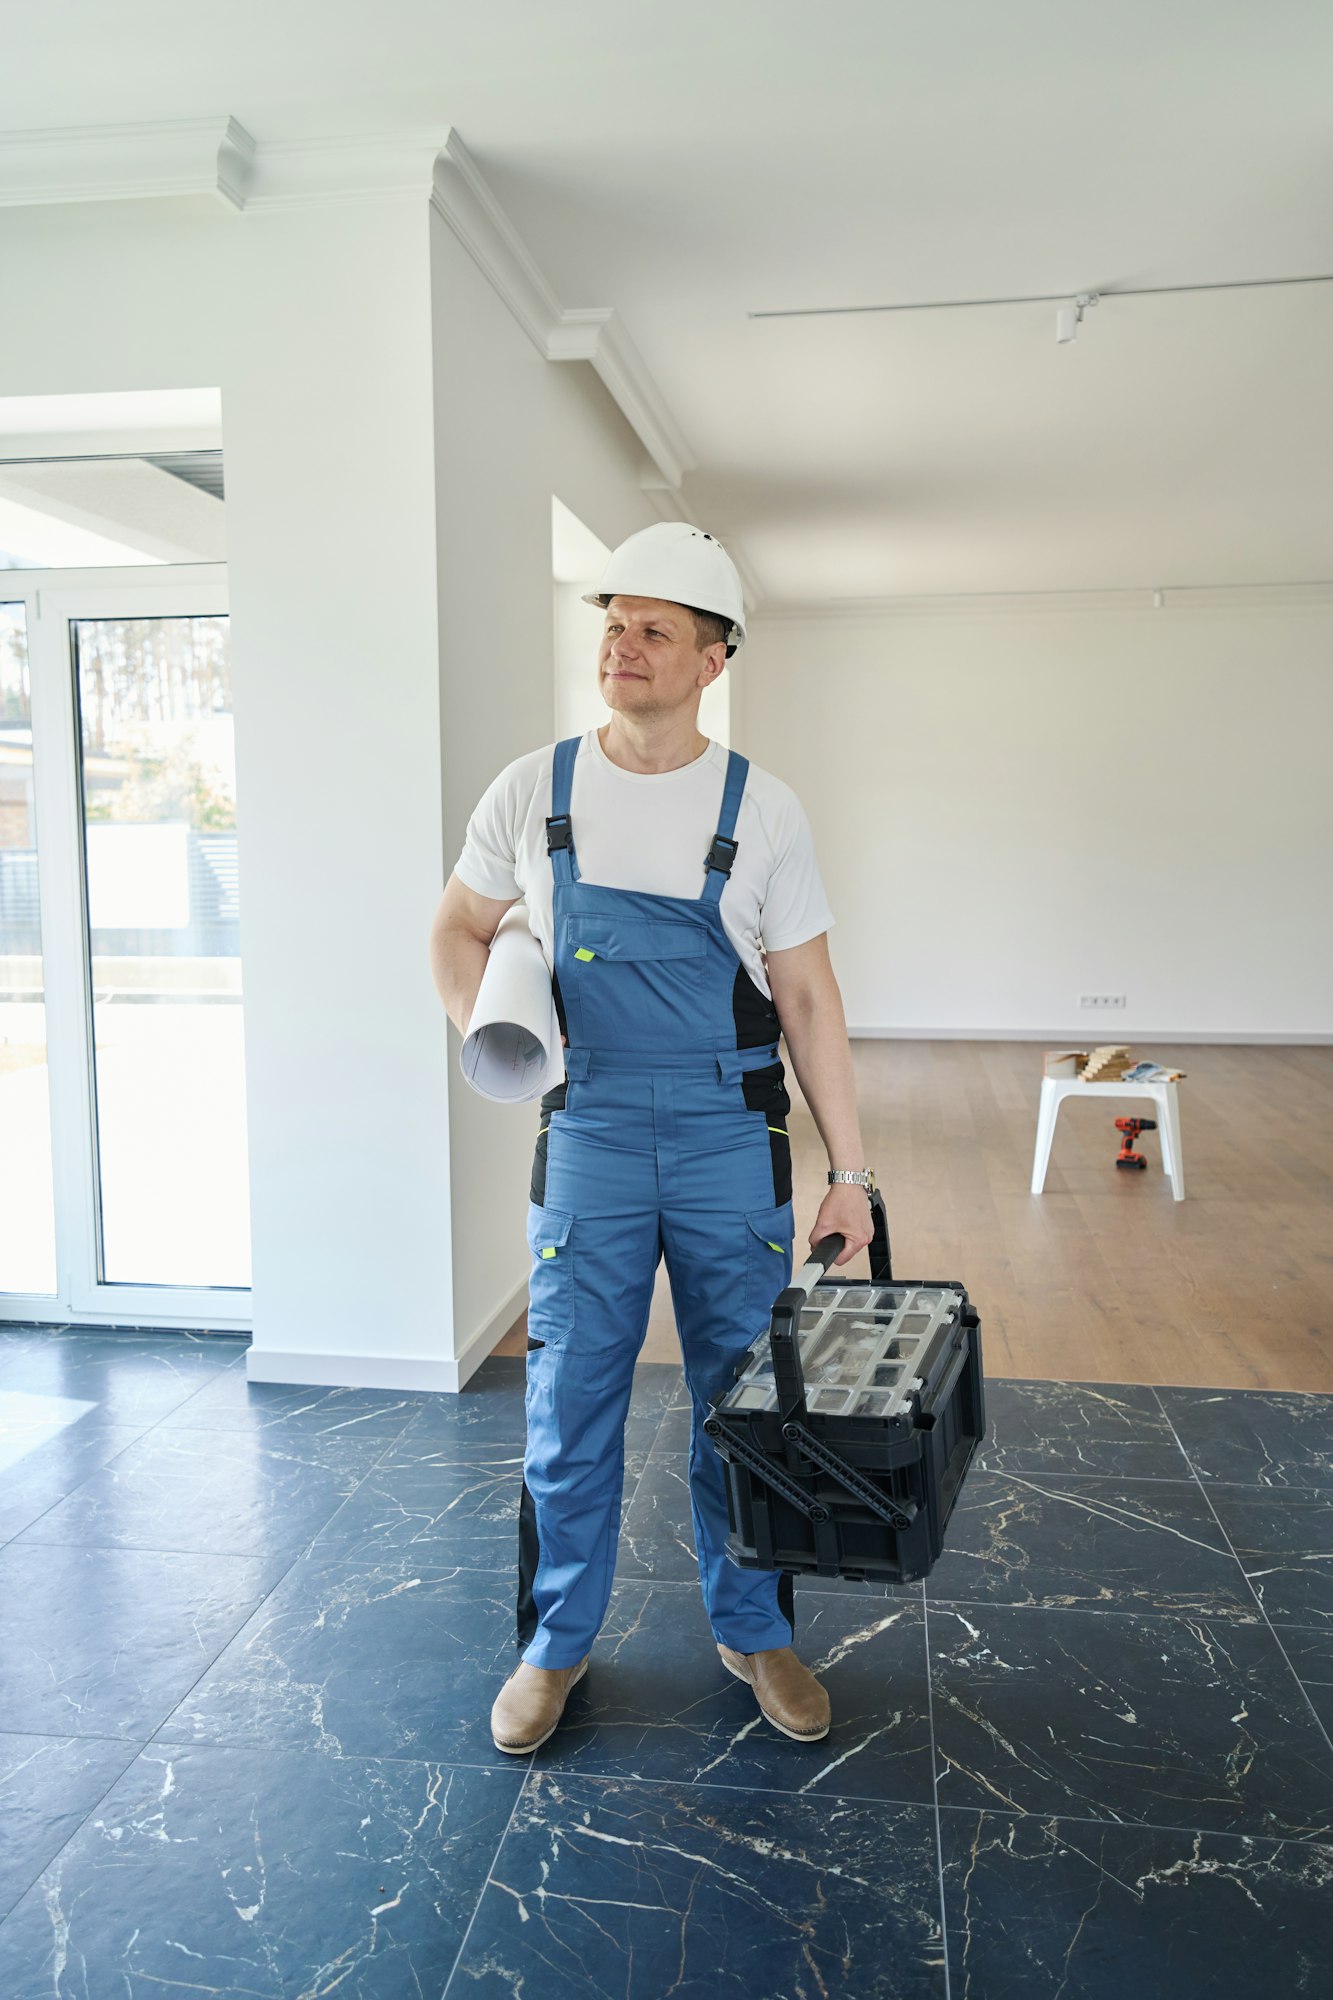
631	938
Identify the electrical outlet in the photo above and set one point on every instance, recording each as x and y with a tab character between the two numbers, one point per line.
1102	1000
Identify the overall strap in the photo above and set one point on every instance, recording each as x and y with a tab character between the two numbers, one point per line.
722	853
559	833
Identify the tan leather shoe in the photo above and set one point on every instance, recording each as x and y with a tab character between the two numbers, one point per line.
530	1704
787	1692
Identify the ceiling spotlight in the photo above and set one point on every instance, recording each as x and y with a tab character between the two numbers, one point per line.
1068	317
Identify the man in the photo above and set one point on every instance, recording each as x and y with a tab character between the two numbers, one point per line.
675	891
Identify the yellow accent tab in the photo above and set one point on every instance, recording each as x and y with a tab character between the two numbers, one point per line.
549	1251
772	1128
775	1246
583	952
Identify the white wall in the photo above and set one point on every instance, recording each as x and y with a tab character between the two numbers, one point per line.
578	634
511	430
1013	808
315	323
392	442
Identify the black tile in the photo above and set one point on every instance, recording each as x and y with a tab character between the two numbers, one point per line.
488	1409
448	1504
1111	1428
17	1341
1285	1545
1310	1653
673	1434
109	1640
120	1378
1036	1907
234	1403
40	1466
656	1386
1252	1436
1321	1701
1147	1545
390	1659
48	1785
226	1491
1110	1715
265	1872
657	1702
609	1887
657	1539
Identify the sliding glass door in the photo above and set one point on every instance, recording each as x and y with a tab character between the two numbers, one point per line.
122	1081
27	1193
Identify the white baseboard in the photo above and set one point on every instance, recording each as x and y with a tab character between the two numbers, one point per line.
412	1373
1076	1037
491	1331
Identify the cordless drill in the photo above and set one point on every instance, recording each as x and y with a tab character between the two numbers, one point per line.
1131	1127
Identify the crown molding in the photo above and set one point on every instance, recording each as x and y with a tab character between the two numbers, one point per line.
209	156
127	162
218	156
303	173
1177	600
596	334
235	163
463	198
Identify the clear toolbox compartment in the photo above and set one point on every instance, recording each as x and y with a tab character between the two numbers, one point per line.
862	1350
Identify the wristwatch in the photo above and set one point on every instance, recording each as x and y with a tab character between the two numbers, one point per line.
863	1177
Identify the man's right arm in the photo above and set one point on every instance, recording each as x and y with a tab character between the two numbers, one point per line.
460	938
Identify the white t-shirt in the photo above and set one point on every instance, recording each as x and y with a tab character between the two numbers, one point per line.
651	831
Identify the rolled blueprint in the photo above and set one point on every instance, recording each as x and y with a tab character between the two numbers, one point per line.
512	1050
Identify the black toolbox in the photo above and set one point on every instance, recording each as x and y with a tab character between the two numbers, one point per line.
851	1422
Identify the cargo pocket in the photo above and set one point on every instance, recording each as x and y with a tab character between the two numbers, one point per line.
768	1249
551	1279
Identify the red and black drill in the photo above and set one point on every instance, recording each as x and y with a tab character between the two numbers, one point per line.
1131	1127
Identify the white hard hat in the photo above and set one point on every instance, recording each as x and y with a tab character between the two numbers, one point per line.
681	565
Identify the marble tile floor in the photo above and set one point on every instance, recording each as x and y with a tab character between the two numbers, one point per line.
251	1634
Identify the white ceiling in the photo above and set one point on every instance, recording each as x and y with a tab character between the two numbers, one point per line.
691	163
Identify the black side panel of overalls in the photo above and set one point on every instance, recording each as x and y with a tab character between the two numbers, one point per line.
755	1015
554	1100
765	1091
559	1005
529	1554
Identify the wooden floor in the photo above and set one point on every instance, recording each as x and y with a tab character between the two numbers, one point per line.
1103	1277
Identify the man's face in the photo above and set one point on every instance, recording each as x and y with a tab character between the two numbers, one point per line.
649	661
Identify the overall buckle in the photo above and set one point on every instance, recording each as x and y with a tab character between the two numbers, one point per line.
720	855
559	833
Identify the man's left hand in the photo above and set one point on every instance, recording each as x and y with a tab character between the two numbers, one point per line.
846	1209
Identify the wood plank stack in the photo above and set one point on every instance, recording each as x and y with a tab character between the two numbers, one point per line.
1106	1064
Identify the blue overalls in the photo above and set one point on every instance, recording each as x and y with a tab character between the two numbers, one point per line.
667	1138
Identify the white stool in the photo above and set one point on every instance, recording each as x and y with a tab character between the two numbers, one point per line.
1055	1089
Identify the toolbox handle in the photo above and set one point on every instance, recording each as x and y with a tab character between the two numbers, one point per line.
791	1303
787	1309
821	1256
881	1253
823	1253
